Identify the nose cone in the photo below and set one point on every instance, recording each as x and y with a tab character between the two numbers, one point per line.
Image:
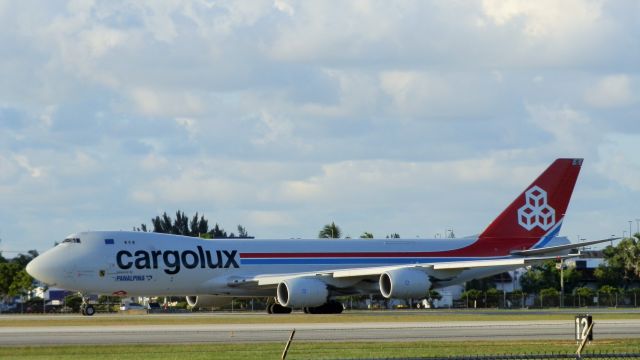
43	269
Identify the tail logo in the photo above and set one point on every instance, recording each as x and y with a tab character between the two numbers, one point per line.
536	211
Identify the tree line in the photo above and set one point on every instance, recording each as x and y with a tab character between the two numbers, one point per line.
333	231
14	279
196	226
617	276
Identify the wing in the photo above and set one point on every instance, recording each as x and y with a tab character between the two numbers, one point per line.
440	271
436	271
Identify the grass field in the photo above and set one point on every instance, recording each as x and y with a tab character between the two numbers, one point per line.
259	318
311	350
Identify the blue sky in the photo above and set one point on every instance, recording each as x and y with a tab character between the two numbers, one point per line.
409	117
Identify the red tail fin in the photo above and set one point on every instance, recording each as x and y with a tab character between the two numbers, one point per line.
535	216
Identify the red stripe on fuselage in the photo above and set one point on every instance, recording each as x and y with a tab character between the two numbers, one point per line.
489	247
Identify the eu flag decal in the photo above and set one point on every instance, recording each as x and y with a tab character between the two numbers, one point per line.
108	241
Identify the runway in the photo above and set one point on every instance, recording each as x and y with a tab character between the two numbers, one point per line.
376	331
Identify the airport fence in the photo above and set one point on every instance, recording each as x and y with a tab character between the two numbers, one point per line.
520	300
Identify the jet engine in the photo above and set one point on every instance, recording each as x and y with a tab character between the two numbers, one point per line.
301	292
208	301
404	283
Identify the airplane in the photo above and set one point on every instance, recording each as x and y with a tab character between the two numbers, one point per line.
310	274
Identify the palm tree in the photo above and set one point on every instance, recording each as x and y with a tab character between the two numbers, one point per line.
331	231
366	235
630	256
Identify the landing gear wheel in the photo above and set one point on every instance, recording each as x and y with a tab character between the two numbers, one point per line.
270	308
279	309
335	307
332	307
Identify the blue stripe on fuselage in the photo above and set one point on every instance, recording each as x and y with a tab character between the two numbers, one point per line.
335	261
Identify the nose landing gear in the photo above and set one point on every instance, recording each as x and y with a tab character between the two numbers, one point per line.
85	308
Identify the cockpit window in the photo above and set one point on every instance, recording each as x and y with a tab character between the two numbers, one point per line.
71	240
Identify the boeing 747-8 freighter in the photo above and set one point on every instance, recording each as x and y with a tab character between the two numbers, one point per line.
310	274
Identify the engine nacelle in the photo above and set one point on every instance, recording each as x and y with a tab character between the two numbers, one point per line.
208	301
404	283
301	292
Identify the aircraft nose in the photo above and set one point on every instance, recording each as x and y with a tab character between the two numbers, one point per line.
43	269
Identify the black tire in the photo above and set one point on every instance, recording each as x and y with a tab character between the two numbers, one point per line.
279	309
332	307
336	307
270	308
89	311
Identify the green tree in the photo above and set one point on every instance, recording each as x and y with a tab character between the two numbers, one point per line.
572	278
242	232
608	293
218	232
549	296
393	236
22	283
624	258
196	226
634	295
492	296
73	301
366	235
606	274
543	276
8	272
23	259
330	231
483	284
471	296
434	295
585	295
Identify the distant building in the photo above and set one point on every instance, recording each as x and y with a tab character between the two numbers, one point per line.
52	296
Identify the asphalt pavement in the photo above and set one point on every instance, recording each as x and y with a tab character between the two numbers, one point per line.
275	332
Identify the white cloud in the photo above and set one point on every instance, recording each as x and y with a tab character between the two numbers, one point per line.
101	40
154	162
155	102
574	132
288	114
619	161
284	6
610	91
270	218
47	116
23	162
414	92
545	18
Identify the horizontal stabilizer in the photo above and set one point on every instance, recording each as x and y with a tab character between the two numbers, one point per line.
553	249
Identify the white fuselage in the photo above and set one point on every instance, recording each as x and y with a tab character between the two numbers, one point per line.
138	263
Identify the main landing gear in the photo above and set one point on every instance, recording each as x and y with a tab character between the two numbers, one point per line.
85	308
278	309
331	307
